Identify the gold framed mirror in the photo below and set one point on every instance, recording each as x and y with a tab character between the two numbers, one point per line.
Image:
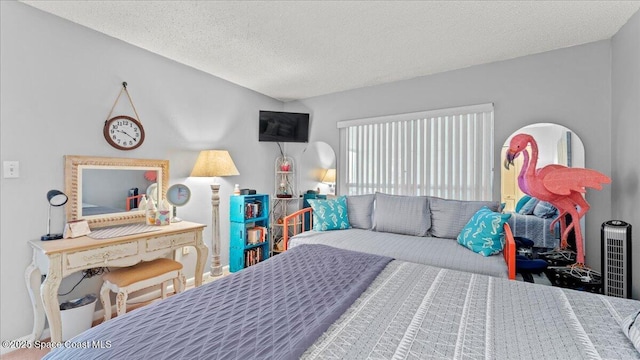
106	191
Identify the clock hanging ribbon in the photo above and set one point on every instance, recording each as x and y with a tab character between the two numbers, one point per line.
123	132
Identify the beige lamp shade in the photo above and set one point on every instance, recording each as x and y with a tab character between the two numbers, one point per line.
329	176
212	163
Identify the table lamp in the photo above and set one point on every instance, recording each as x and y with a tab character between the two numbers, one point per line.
215	163
55	198
329	178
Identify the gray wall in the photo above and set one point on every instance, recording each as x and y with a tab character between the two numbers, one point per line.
570	87
625	115
59	81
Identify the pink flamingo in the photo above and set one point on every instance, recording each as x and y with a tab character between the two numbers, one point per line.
522	184
559	185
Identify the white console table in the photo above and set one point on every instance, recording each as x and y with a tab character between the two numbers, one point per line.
59	258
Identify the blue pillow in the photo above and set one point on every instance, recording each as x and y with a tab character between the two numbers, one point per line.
523	200
330	214
484	233
545	210
527	208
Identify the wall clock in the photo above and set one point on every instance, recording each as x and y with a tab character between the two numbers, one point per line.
123	132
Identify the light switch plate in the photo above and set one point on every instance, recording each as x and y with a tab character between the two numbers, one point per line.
11	169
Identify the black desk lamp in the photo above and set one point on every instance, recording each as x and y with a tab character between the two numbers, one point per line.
56	198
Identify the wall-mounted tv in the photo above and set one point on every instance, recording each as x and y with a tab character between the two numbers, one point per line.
278	126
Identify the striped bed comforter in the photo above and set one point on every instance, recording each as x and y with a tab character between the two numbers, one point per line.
414	311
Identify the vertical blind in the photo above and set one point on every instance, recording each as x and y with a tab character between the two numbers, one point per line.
446	153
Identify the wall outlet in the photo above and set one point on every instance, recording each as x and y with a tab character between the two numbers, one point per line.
185	250
11	169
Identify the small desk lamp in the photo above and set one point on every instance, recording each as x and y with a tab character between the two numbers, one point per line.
329	178
56	198
213	163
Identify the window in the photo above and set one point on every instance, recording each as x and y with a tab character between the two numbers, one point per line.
446	153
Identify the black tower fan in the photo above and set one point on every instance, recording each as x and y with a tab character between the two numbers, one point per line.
616	258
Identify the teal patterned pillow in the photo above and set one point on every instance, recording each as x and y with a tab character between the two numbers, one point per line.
330	214
484	233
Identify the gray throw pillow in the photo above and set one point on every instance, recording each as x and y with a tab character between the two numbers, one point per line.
398	214
360	210
448	217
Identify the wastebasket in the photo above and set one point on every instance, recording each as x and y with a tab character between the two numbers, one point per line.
77	315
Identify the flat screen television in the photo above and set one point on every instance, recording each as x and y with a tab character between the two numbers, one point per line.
279	126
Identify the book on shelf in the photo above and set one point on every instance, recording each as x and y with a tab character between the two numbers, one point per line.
252	256
256	234
252	209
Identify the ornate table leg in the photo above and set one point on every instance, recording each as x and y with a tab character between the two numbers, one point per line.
32	277
49	295
202	252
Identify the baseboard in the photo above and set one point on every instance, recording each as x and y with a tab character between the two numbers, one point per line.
99	314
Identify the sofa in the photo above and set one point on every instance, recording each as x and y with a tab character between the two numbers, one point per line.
420	229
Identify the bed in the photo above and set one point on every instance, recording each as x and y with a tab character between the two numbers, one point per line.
131	203
444	253
316	301
93	209
535	229
410	228
532	219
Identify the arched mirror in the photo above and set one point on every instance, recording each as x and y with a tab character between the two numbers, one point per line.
556	145
318	168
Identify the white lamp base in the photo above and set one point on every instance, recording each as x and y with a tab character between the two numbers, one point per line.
216	268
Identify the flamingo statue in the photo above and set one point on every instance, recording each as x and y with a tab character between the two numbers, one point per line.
561	186
522	184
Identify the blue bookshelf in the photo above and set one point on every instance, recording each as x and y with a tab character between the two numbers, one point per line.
249	238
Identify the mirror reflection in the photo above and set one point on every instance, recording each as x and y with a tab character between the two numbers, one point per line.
556	145
317	163
530	218
106	191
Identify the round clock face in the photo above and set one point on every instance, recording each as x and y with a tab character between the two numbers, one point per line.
123	132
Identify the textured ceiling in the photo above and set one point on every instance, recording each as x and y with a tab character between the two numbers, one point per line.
299	49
